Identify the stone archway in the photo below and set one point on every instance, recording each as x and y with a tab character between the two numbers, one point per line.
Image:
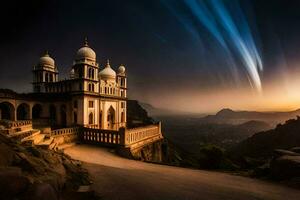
110	118
63	115
52	114
37	111
23	112
7	111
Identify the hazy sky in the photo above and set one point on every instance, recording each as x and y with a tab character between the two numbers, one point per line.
190	55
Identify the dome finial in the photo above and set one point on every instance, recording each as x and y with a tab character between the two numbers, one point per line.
107	64
86	42
46	53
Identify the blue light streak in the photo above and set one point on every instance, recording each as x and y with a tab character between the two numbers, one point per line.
233	34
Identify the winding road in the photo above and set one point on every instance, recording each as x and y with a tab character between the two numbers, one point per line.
119	178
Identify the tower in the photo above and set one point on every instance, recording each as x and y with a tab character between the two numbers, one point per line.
85	69
84	75
44	72
122	82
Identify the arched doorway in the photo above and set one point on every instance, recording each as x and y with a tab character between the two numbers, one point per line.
63	115
7	111
91	118
52	114
111	118
37	111
23	112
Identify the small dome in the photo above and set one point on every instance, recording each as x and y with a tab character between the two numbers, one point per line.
121	69
86	52
107	72
46	60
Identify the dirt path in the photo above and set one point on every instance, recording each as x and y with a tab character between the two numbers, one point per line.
119	178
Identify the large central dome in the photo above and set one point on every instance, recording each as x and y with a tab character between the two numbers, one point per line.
86	52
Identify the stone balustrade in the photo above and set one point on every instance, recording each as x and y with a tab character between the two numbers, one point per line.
141	133
16	124
99	136
128	138
20	136
66	131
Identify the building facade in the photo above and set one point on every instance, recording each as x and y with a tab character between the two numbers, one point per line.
93	96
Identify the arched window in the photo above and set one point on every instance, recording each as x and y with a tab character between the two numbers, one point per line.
90	87
111	117
46	77
23	111
122	117
93	87
90	73
7	111
37	111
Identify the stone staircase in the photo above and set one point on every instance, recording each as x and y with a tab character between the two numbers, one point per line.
24	133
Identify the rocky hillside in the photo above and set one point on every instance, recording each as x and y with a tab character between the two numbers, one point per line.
262	144
28	172
137	115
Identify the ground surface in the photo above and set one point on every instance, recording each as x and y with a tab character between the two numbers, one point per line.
119	178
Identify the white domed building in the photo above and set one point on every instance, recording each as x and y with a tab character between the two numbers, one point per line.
45	71
95	96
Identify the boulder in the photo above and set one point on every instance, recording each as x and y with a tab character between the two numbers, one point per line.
285	167
282	152
6	155
295	149
12	182
43	191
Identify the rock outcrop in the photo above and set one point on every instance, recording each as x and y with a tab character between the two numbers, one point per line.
285	165
136	115
262	145
28	172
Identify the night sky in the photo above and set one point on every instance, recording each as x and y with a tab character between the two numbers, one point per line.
189	55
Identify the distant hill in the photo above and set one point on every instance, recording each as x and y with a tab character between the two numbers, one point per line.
262	144
237	117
